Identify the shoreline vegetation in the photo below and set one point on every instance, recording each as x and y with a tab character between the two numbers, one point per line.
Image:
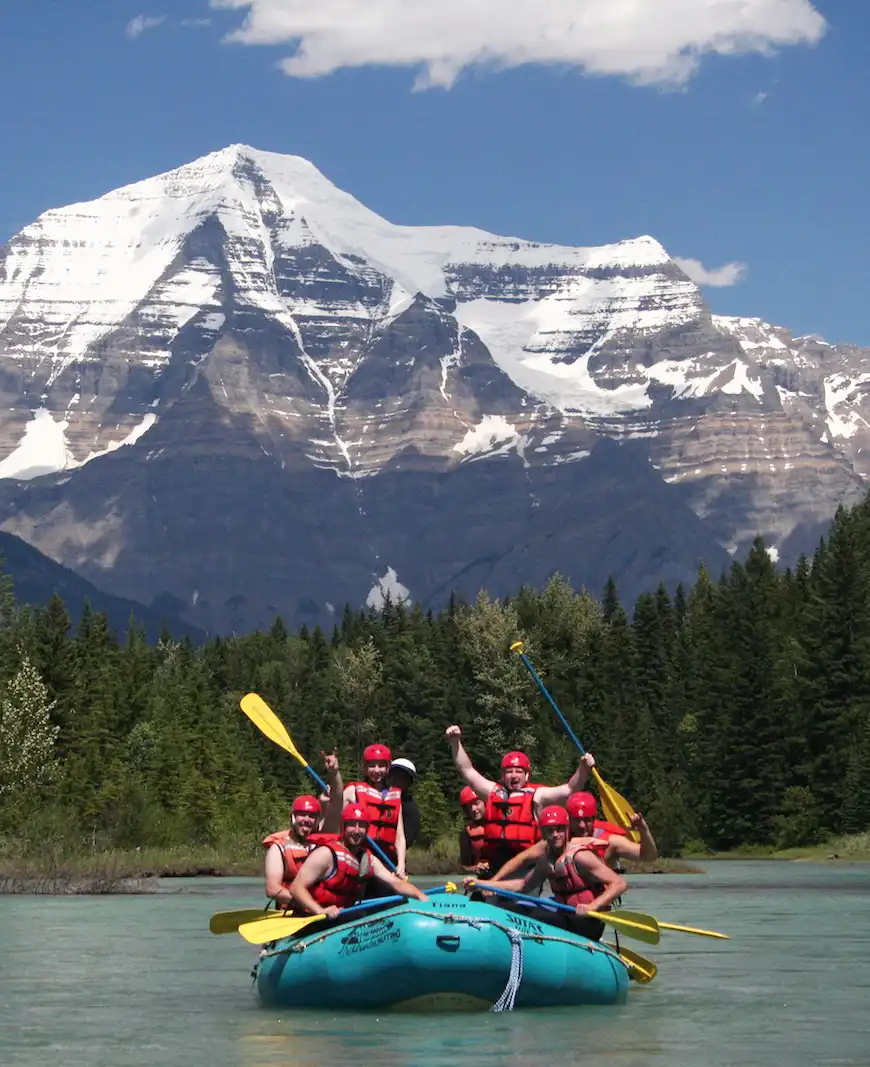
734	714
848	848
139	870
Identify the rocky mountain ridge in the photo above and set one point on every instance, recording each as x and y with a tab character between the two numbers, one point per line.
235	385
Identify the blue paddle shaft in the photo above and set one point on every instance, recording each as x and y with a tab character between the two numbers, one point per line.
371	903
528	665
364	905
373	845
541	902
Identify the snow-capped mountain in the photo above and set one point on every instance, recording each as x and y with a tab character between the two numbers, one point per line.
235	385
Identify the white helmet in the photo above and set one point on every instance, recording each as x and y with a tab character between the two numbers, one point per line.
404	765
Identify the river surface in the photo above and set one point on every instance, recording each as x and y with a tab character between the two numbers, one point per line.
130	981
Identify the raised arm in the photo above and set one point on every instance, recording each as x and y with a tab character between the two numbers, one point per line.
332	819
645	850
480	784
402	887
315	868
558	794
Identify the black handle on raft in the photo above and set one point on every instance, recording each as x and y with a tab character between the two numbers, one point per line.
449	942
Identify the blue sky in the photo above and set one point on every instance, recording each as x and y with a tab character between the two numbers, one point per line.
584	127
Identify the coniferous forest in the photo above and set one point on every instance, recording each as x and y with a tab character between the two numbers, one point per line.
733	713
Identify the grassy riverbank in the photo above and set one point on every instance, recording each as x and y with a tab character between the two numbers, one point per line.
58	871
854	848
118	870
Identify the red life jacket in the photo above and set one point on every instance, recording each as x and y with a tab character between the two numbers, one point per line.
342	886
509	821
385	807
568	884
602	832
293	853
475	833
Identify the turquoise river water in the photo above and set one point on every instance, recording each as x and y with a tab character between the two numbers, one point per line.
129	981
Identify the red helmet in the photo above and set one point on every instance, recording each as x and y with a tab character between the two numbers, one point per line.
355	813
306	804
377	754
467	795
516	759
582	806
554	815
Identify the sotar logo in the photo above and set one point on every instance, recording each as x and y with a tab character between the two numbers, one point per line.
526	925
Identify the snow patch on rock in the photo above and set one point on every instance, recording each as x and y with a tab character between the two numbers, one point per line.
491	431
387	586
43	449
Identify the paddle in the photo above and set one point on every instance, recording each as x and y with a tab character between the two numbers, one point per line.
631	923
227	922
640	968
262	716
616	808
693	930
263	931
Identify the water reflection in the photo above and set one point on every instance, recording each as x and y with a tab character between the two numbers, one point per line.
519	1039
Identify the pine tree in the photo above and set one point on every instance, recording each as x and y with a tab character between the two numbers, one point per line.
749	772
835	662
503	688
437	814
856	784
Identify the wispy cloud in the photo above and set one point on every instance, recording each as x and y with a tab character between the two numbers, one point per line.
717	277
138	25
759	98
141	23
652	42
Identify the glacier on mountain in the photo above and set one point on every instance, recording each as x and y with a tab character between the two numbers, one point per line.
240	318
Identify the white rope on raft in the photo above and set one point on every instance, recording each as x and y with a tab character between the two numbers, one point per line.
515	975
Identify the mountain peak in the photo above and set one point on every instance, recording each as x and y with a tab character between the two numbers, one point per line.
240	329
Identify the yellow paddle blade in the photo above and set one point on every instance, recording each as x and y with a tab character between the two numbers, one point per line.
631	923
693	930
227	922
264	930
262	716
640	968
616	808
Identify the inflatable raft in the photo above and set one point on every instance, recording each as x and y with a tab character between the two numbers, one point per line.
444	954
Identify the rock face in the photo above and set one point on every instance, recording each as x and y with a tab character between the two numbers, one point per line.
235	390
35	578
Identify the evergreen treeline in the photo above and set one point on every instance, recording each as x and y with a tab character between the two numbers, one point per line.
735	713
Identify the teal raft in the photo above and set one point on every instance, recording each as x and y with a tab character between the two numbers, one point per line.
441	955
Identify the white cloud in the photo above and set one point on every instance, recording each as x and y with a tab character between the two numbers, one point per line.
647	41
719	277
759	98
194	23
138	25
